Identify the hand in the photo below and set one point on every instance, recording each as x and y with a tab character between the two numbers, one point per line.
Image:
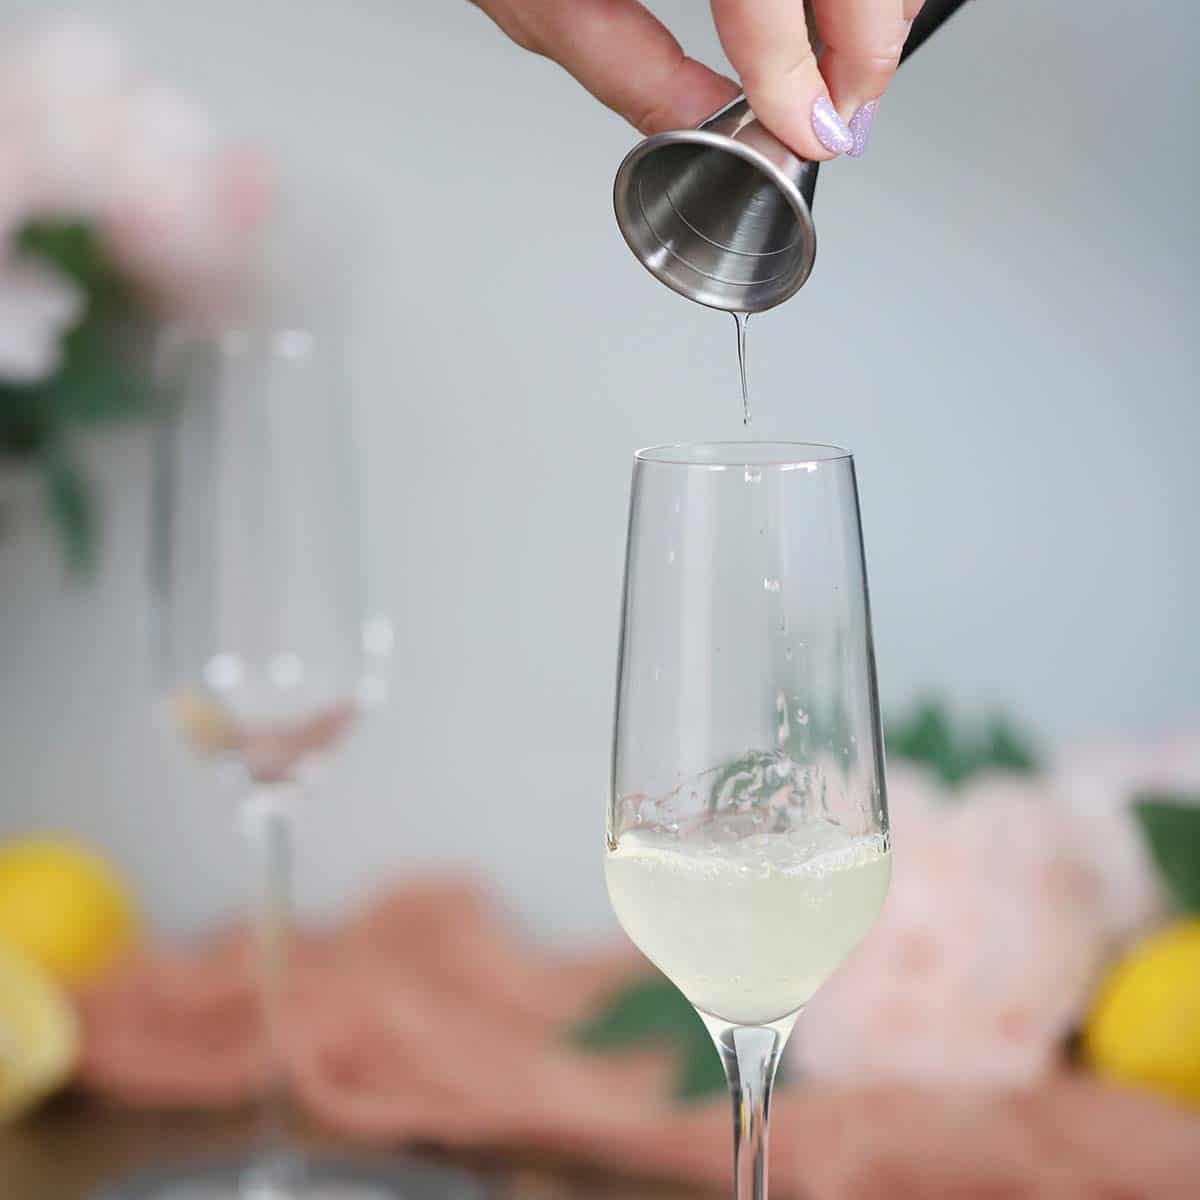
630	61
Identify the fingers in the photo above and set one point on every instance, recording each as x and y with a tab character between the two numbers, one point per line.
768	43
628	60
863	40
624	56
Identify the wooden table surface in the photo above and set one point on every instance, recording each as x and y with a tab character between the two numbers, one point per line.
72	1147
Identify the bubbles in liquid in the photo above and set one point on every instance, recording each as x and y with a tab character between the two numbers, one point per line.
753	475
801	717
783	730
771	584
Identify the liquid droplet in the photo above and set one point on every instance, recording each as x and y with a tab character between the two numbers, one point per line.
801	717
772	585
753	475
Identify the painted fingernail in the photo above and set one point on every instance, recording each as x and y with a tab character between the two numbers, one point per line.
832	132
860	128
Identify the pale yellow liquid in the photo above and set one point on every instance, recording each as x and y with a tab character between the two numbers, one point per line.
748	929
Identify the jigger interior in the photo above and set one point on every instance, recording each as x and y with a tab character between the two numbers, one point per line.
715	220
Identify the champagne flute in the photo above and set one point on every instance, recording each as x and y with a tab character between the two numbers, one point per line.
747	835
261	649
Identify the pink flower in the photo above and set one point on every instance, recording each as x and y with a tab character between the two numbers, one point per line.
85	135
62	92
986	949
37	305
183	206
1095	787
17	201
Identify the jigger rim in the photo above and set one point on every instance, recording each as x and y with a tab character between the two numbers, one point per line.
626	203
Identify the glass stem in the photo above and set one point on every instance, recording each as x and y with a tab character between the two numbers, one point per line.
750	1055
267	820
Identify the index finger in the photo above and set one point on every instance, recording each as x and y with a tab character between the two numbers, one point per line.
622	54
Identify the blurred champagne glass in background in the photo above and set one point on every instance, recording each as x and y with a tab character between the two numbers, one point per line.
264	654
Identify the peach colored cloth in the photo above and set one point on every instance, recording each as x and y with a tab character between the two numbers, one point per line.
427	1020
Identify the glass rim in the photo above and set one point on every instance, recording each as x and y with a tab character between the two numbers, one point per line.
727	455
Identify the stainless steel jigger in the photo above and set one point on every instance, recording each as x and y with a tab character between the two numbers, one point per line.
722	213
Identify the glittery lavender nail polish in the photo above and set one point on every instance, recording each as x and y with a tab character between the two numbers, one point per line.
832	132
860	128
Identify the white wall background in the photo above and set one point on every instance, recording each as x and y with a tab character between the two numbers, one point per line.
1002	323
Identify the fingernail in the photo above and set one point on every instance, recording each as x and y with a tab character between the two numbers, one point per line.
832	132
860	128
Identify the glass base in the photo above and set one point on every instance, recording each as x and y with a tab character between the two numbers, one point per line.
317	1178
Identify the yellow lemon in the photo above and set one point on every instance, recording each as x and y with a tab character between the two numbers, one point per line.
39	1037
64	907
1144	1027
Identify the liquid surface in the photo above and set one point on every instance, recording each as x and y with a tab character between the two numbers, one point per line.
748	929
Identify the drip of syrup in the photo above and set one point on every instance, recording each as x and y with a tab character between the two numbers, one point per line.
741	320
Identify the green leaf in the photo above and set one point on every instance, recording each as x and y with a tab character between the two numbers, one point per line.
653	1009
1006	748
1171	825
72	506
26	419
926	738
73	248
930	739
699	1071
95	385
650	1008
